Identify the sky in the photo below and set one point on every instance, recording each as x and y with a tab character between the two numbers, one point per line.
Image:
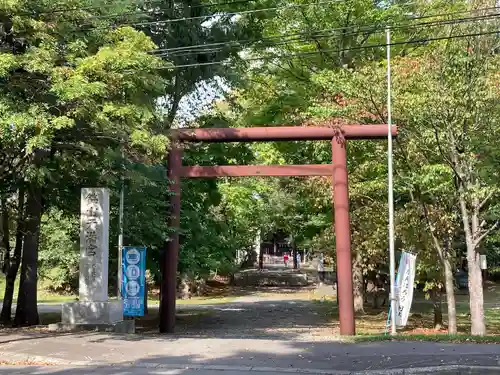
201	100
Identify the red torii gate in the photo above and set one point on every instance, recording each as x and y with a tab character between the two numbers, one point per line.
338	171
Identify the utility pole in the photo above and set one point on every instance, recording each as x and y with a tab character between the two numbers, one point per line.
390	188
120	224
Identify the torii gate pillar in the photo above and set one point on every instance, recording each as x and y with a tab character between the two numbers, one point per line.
170	255
342	230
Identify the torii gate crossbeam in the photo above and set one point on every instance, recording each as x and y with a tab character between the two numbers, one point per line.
340	196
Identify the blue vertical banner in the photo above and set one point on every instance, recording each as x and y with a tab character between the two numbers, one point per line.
133	280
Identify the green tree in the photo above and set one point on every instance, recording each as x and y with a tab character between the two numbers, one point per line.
457	109
195	35
69	94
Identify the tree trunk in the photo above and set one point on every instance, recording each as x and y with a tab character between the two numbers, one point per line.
476	299
450	297
173	110
146	309
5	217
184	287
27	311
13	262
438	310
358	284
176	100
444	257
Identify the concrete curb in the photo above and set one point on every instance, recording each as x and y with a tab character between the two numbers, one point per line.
32	360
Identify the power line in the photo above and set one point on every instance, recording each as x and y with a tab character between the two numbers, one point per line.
174	20
159	11
90	26
308	53
138	3
250	41
361	28
180	19
221	15
227	14
331	35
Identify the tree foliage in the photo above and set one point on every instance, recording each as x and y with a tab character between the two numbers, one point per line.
90	90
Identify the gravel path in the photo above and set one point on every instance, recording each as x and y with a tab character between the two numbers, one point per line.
292	315
292	319
273	331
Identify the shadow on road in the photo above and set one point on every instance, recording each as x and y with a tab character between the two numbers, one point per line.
267	335
274	319
280	356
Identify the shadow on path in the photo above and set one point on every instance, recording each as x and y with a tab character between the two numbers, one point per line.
276	357
267	335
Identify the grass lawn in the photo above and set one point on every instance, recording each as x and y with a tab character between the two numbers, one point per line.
44	296
373	322
47	297
442	337
205	300
371	326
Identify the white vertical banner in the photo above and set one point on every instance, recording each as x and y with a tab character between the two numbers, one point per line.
404	287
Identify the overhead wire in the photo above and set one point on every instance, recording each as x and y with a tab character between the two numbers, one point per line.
333	35
156	11
219	14
222	15
308	53
360	28
180	19
138	3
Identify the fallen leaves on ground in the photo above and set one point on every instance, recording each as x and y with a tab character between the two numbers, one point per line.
25	363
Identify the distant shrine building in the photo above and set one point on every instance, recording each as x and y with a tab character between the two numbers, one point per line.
272	247
276	244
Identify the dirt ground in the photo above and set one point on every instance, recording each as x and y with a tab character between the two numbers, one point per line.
307	314
299	313
272	313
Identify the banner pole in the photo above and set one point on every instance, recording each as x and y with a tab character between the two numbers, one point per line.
392	260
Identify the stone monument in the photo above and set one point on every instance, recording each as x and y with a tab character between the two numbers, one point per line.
93	309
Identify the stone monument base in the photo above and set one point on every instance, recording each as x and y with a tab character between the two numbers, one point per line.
83	312
124	326
93	316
